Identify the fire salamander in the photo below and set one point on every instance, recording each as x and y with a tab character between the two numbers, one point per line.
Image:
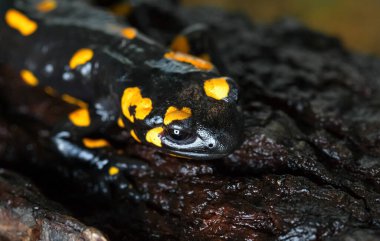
117	76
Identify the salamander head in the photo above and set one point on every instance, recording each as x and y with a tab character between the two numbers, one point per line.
194	119
213	129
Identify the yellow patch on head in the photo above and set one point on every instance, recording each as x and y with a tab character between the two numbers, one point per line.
189	59
217	88
74	101
153	136
180	44
80	117
113	171
46	6
95	143
173	114
132	98
80	57
20	22
120	122
29	78
143	108
129	33
133	134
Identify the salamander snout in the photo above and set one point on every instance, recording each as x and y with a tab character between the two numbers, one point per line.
221	143
201	143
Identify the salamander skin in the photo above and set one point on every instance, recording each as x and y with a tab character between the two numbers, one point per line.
73	51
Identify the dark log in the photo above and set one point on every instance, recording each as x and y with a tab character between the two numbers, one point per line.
26	215
309	168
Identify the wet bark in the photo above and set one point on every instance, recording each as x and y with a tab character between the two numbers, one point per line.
309	167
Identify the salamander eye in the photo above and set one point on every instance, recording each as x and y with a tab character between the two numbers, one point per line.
178	134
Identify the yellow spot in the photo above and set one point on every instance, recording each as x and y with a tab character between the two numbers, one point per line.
132	98
173	114
143	108
129	33
113	171
185	58
80	117
29	77
180	44
46	6
95	143
74	101
153	136
133	134
20	22
80	57
120	122
50	91
217	88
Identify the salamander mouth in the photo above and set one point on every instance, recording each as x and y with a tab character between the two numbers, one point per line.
203	147
199	156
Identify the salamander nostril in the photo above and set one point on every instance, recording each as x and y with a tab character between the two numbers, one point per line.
210	145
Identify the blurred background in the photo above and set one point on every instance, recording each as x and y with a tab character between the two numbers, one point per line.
355	22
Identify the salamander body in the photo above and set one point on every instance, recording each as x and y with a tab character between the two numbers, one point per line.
171	100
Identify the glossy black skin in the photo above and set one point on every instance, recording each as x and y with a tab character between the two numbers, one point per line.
213	130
